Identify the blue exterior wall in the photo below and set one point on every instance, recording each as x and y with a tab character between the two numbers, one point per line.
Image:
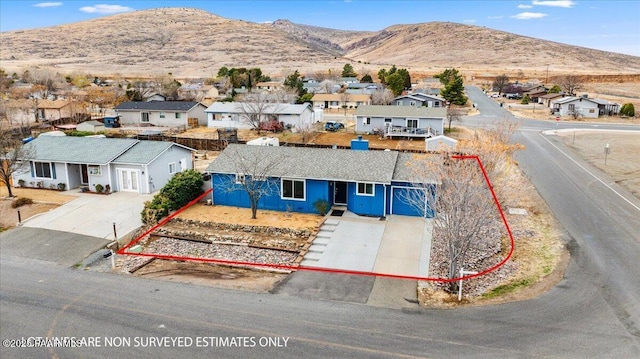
314	190
399	206
366	205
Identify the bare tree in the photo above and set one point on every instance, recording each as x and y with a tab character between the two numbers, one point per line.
345	97
455	191
327	86
14	157
257	109
461	205
257	173
500	82
570	84
381	97
454	115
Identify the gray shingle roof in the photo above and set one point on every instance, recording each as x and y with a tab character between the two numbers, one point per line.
157	106
314	163
143	152
79	149
405	170
401	111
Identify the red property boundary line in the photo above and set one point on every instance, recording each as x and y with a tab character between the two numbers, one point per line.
124	251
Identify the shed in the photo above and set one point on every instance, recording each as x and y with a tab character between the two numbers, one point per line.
264	141
90	126
441	142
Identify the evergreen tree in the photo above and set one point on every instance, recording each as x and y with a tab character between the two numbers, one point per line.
348	71
454	92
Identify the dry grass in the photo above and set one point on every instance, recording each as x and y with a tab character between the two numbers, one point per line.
242	216
44	201
623	162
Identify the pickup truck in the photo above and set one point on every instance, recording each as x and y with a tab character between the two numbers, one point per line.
513	96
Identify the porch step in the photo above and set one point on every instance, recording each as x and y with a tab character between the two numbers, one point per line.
321	241
312	256
331	222
316	248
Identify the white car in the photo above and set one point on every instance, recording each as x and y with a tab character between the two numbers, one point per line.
495	95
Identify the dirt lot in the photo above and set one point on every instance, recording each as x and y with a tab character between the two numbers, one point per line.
623	162
242	216
44	200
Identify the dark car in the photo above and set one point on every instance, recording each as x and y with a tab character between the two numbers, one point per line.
333	126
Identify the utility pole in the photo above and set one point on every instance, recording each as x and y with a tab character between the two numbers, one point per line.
546	80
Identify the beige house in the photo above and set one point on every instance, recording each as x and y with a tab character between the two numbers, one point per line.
338	100
269	85
51	110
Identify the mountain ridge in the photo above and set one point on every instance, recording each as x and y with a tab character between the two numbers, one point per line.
194	42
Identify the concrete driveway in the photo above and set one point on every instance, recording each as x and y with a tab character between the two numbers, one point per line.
400	245
93	215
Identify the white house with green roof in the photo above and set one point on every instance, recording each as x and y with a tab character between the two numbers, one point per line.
127	165
401	121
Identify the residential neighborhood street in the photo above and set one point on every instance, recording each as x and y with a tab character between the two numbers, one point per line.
594	312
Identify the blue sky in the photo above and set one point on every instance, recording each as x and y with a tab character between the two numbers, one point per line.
605	25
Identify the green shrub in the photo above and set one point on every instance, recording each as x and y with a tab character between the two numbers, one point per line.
19	202
627	110
180	190
99	188
321	206
525	100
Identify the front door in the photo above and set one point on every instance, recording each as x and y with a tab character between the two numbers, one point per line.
340	193
128	180
84	175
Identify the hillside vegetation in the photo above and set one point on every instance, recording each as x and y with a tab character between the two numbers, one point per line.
192	42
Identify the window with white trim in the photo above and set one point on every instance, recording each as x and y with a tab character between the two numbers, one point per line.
388	120
163	114
178	115
399	103
412	123
412	103
293	189
365	189
239	178
367	120
42	170
172	168
144	116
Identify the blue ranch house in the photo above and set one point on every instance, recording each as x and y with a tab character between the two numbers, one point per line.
368	183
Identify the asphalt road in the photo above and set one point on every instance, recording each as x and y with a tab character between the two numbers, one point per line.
41	299
592	313
601	219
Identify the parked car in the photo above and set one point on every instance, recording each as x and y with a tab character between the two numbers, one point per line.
495	95
513	96
333	126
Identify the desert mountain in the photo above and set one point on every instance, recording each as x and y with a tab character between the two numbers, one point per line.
192	42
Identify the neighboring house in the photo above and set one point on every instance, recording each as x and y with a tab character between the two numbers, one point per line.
606	108
367	183
549	98
162	113
90	126
419	99
348	80
126	165
367	88
156	97
337	100
198	92
234	114
269	85
575	106
401	121
51	110
440	142
535	92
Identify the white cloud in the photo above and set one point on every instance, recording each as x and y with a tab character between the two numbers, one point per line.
529	15
105	9
522	6
495	17
554	3
48	4
469	21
